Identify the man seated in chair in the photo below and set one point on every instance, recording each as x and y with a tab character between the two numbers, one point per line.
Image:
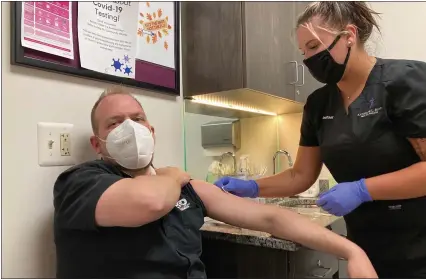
118	217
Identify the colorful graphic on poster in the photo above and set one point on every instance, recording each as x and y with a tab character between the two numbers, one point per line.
107	40
47	27
156	35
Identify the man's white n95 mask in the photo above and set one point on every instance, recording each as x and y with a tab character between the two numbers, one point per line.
131	145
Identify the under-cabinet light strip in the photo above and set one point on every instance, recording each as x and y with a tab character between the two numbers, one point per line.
230	106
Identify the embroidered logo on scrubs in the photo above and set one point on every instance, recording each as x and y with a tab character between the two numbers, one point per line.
182	204
371	110
371	103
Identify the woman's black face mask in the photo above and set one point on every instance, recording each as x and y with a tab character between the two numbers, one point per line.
324	68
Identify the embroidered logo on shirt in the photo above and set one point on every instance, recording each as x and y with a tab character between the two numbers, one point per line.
328	117
182	204
371	102
371	110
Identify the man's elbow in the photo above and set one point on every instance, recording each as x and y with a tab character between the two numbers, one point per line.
156	205
281	224
155	201
159	207
268	220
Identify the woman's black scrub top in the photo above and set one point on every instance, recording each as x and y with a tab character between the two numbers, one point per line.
370	140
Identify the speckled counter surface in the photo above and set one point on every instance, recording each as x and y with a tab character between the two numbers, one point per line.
213	229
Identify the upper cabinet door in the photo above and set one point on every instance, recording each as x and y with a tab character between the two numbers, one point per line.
269	50
306	82
211	46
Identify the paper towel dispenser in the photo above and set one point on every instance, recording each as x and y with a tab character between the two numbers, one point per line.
224	133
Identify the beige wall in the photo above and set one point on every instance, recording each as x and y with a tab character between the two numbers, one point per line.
30	96
259	140
402	30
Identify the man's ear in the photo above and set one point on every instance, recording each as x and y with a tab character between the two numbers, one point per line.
94	141
152	131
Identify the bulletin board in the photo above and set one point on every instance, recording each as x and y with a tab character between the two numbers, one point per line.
147	75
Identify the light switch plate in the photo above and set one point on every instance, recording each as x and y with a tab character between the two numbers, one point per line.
54	144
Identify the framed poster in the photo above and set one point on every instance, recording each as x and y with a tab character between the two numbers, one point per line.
59	37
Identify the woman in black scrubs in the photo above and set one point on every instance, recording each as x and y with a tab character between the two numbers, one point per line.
368	126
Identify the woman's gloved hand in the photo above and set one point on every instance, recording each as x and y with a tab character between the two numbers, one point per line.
239	187
344	197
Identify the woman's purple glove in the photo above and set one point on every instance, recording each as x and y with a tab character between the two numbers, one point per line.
239	187
344	197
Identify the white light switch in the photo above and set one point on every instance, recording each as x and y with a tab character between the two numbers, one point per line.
54	144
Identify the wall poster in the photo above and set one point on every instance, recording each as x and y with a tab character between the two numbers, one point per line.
107	40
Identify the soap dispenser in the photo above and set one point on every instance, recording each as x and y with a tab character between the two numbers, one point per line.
243	170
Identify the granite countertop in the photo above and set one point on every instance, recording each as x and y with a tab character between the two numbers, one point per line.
213	229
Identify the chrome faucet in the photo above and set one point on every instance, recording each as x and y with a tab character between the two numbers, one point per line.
290	161
233	158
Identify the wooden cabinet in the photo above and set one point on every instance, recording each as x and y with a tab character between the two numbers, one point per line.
307	263
224	259
233	45
306	83
268	47
211	47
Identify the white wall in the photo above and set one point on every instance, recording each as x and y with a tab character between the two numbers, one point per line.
30	96
402	27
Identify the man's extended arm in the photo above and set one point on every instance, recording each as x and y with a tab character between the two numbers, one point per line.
277	221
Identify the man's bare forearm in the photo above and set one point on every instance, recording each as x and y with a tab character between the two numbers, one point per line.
292	226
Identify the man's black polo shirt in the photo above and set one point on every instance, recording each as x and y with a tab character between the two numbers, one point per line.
167	248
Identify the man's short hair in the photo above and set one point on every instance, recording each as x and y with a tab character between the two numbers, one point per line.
114	90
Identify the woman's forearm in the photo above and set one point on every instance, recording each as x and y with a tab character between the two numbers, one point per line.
294	180
407	183
284	184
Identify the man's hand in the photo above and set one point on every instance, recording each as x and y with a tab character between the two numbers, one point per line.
180	176
359	266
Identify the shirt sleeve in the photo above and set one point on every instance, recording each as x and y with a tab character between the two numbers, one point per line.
76	194
308	131
407	100
196	198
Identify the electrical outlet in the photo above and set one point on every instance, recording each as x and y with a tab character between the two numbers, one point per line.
54	144
65	145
